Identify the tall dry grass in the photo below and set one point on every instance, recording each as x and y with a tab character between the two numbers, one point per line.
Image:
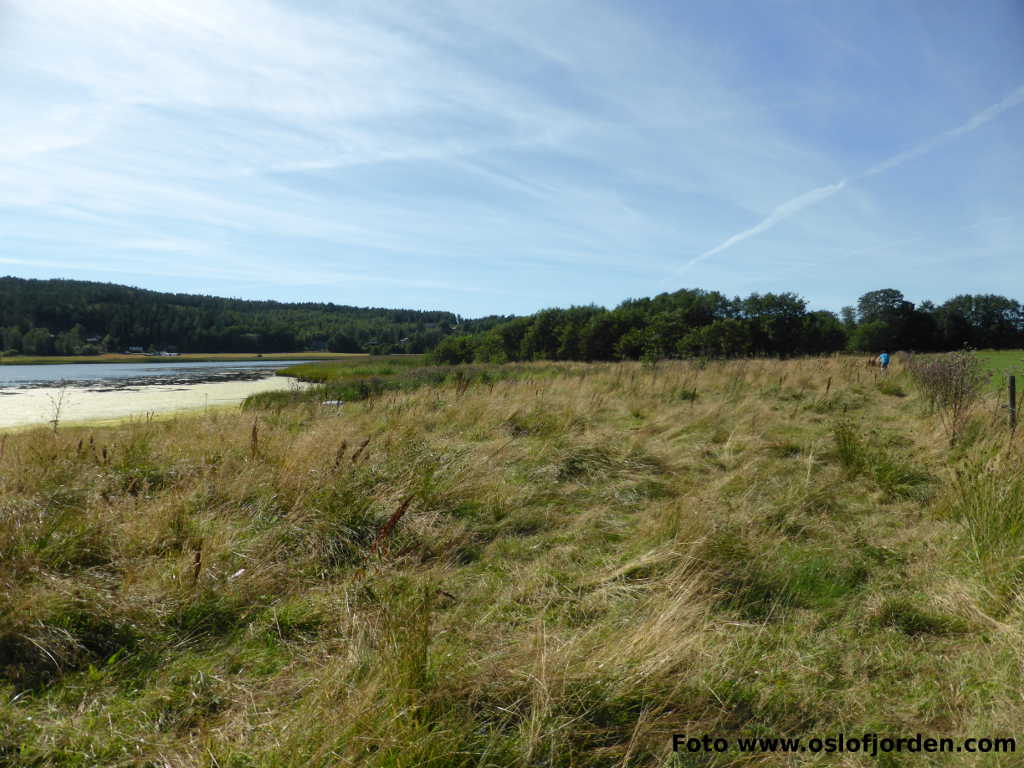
560	567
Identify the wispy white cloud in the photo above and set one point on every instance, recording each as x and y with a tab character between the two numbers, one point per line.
164	245
808	199
240	273
406	150
931	236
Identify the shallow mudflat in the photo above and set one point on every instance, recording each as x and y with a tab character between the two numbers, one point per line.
104	401
131	374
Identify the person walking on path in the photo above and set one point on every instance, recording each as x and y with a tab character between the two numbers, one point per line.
883	360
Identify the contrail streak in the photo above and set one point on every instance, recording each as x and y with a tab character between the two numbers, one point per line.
815	196
781	213
985	116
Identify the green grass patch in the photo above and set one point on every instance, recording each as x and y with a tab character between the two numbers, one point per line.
1000	362
891	387
868	456
794	576
986	500
908	617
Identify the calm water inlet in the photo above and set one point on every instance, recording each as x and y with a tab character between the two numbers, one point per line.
135	374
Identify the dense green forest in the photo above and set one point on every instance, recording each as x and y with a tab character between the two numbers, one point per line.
67	317
697	322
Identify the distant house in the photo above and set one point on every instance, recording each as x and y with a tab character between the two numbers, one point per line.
94	340
165	353
135	350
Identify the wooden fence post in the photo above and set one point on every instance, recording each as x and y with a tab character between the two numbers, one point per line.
1013	403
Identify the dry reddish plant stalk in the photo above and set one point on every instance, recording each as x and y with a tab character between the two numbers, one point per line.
340	455
254	440
390	524
359	450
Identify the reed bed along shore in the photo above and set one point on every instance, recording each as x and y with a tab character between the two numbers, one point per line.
553	565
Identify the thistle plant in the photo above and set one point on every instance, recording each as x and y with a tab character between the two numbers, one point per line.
952	384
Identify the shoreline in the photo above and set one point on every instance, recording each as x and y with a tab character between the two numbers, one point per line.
188	357
170	379
26	408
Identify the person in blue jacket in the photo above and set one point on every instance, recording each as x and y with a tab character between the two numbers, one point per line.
883	360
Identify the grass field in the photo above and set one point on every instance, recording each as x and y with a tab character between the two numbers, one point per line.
351	367
1000	362
530	565
183	358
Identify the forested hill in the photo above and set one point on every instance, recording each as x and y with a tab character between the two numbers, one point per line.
42	317
39	317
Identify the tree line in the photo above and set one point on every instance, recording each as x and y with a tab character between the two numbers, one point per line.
72	317
693	322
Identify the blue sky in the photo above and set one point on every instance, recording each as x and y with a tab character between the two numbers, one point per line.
501	157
